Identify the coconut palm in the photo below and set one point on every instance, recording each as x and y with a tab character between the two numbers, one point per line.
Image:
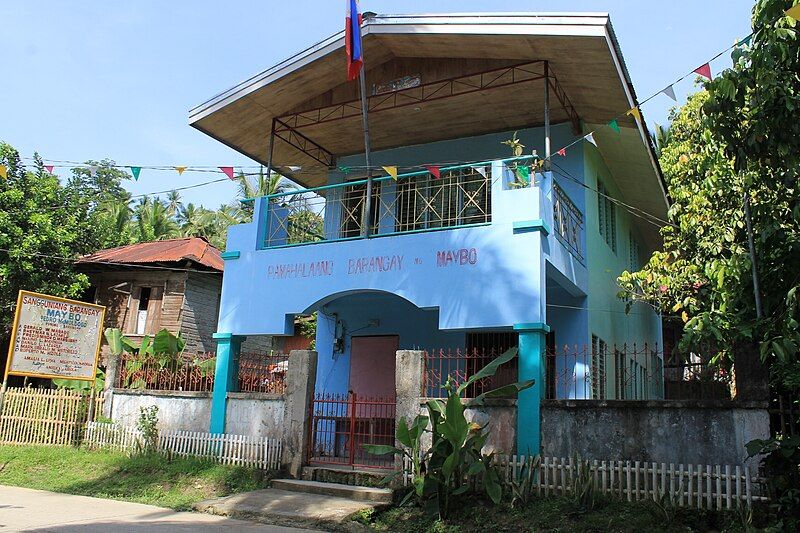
174	203
153	221
660	137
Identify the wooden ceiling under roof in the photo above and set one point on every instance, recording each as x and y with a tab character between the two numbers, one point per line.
580	50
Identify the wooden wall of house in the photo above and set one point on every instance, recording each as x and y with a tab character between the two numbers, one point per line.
119	291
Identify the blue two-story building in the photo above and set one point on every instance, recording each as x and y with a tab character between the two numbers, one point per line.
472	247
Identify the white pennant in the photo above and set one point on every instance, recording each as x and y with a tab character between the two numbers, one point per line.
590	137
481	170
670	91
93	171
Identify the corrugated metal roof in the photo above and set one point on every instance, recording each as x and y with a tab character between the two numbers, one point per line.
169	251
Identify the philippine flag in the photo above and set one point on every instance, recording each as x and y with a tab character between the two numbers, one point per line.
352	40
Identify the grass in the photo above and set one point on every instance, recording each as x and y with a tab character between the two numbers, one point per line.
554	514
150	479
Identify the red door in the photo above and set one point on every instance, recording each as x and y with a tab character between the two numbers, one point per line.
372	366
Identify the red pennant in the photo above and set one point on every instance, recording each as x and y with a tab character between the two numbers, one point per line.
562	152
49	168
434	171
704	70
228	171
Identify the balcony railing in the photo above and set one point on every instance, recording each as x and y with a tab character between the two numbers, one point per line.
416	202
568	221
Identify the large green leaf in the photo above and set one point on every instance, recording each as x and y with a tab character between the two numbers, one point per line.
114	339
505	391
380	449
489	370
403	433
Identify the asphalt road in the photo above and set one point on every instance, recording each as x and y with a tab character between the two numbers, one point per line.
42	511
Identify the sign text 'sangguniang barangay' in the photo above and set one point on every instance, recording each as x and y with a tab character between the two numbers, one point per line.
54	338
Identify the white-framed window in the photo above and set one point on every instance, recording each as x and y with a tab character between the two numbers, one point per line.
607	216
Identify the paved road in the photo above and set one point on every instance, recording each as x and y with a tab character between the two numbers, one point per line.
42	511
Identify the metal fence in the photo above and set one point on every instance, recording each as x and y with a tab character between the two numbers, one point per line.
461	364
342	424
600	371
189	373
568	221
265	373
696	381
417	201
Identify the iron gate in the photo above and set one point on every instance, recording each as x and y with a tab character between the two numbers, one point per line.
342	423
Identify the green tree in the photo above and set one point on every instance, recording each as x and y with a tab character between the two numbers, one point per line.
153	221
41	222
260	185
742	136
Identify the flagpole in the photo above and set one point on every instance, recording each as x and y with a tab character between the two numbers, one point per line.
367	220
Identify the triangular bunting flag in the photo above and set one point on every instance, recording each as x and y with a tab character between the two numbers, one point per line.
590	137
746	41
794	12
136	171
704	70
635	113
614	125
392	171
562	152
49	168
345	170
434	170
670	91
3	172
180	170
481	170
93	170
228	172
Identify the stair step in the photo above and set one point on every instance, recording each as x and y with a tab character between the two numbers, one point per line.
351	492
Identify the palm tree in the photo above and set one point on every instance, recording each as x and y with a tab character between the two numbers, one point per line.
262	185
174	203
153	221
661	137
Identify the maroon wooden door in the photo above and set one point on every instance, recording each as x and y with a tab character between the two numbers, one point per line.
372	366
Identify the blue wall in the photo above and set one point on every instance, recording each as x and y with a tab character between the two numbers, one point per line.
417	329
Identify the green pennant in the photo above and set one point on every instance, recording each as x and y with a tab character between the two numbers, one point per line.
135	171
346	170
613	125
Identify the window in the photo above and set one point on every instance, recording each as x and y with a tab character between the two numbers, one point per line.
606	211
599	349
633	248
145	310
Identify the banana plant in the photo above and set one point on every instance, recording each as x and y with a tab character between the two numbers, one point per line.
456	453
164	349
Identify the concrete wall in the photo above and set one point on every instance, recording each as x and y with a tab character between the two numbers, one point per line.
186	411
672	432
257	415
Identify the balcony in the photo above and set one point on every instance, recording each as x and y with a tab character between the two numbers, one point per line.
416	202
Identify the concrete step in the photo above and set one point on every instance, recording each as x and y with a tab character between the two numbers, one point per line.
350	492
363	477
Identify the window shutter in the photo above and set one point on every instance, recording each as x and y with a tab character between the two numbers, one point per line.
154	310
130	317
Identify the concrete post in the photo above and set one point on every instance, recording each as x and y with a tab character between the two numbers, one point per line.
301	377
225	377
532	343
112	368
409	365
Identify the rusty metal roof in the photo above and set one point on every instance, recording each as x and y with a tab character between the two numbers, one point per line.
192	249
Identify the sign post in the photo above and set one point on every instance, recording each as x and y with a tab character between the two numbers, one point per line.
54	337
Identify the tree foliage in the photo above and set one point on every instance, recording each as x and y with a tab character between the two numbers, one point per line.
42	226
740	135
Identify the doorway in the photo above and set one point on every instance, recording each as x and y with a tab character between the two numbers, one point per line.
372	366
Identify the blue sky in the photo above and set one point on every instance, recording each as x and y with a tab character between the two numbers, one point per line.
95	79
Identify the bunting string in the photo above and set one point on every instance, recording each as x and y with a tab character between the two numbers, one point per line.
703	71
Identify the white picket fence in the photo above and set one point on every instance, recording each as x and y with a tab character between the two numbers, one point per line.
237	450
698	486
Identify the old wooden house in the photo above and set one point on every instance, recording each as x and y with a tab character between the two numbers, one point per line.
173	284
